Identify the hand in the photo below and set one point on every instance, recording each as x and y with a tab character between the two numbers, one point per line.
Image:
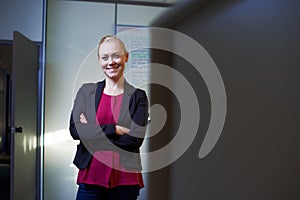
83	119
120	130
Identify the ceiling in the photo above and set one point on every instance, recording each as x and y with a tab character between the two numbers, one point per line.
163	3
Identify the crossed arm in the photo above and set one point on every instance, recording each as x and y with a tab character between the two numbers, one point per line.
83	128
120	130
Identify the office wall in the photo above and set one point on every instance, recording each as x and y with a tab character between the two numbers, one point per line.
73	31
127	15
255	45
23	16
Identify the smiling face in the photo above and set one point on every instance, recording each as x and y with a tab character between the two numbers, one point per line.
112	58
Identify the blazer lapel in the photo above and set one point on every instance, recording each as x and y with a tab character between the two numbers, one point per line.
128	91
99	91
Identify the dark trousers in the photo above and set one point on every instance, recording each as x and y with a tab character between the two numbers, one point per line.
94	192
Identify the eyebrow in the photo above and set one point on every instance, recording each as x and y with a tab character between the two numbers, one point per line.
105	54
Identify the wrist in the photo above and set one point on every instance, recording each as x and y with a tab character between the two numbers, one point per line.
118	130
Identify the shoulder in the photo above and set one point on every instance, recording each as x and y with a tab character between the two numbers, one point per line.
89	85
87	88
140	92
133	91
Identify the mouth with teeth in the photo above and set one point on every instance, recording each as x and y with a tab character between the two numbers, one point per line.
112	67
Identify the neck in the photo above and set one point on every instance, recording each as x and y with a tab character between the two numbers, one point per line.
114	87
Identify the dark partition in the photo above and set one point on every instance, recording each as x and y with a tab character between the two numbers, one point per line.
255	45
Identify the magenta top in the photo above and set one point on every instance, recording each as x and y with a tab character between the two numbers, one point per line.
101	174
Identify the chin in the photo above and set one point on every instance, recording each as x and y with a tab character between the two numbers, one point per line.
113	76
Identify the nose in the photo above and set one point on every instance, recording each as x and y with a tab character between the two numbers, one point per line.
111	61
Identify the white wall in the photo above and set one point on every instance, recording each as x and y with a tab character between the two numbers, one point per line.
23	16
73	30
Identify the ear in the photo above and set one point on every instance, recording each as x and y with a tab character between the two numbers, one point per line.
126	56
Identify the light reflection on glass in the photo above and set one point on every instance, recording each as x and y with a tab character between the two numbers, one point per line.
24	144
29	143
58	136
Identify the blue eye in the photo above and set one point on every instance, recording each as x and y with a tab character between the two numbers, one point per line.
104	58
116	56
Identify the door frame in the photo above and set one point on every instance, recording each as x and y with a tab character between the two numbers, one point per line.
40	116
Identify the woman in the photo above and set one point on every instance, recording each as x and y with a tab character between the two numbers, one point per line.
109	118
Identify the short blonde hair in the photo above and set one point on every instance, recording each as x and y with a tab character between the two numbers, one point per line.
109	38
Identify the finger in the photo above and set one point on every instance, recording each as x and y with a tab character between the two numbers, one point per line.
82	118
125	130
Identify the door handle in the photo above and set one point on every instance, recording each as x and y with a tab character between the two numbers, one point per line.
15	130
19	129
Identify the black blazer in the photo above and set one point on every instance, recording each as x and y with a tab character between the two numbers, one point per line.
93	137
